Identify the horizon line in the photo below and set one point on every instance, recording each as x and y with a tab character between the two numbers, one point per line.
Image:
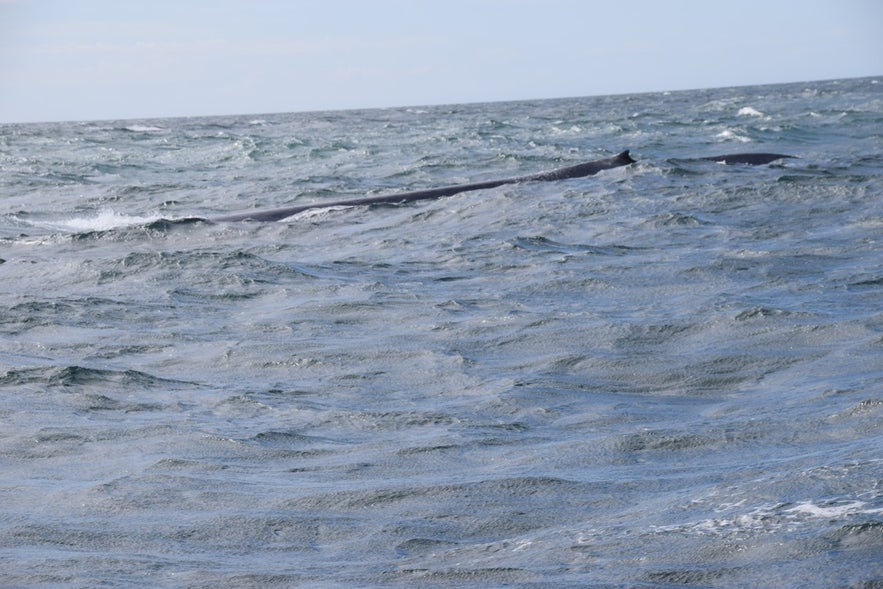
428	105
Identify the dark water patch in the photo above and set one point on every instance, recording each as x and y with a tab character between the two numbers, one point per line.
544	245
456	577
290	440
694	577
872	282
39	307
430	449
89	314
680	444
423	546
252	581
82	440
274	532
133	493
452	278
84	538
469	496
160	188
94	235
400	420
640	337
93	390
763	313
323	271
25	376
55	437
22	317
809	176
248	266
128	351
97	402
185	465
667	442
865	537
725	373
516	427
236	294
676	219
672	373
74	376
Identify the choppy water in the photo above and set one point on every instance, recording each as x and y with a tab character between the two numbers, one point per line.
669	374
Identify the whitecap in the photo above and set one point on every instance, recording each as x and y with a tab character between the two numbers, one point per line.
810	509
747	111
104	220
142	128
729	134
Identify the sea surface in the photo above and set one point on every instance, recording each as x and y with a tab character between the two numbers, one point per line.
666	375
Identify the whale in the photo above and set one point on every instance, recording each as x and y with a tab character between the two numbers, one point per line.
576	171
752	159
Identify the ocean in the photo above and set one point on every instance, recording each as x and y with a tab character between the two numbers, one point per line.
669	374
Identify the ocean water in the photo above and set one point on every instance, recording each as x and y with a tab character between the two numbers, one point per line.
666	375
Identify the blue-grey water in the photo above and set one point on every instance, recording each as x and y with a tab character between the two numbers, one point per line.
666	375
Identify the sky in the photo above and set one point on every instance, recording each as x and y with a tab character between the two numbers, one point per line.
72	60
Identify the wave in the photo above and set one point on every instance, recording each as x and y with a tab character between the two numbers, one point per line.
142	129
74	375
104	220
109	220
733	135
738	519
747	111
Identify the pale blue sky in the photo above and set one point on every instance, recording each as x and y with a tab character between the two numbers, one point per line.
113	59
